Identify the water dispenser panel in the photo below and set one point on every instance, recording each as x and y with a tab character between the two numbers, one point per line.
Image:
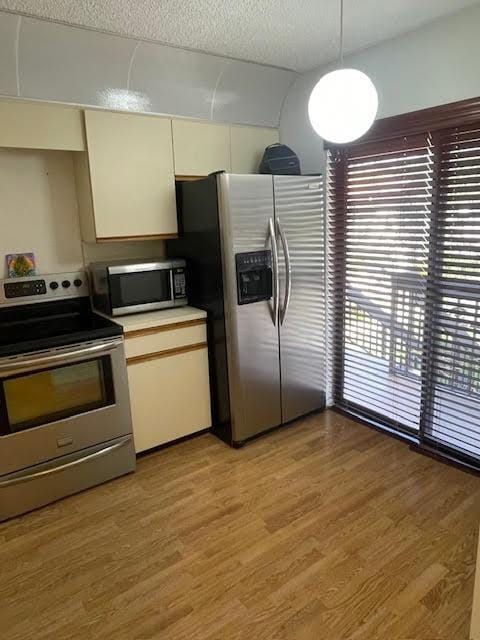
254	276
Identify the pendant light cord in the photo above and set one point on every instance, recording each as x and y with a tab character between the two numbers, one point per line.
341	33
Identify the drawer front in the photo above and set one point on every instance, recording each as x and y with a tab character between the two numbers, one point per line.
32	488
158	339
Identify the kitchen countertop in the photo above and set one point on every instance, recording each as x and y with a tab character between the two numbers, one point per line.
160	318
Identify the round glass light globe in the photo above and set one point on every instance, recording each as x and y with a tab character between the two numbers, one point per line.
343	105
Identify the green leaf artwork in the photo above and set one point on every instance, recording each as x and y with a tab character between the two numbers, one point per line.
20	265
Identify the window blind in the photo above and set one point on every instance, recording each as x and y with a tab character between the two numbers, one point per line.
404	278
380	206
452	372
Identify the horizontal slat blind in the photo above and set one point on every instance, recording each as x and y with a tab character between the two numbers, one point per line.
452	416
404	281
380	199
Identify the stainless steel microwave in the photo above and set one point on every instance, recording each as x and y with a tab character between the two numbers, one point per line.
124	287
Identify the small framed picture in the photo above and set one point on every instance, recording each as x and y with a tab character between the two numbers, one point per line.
20	265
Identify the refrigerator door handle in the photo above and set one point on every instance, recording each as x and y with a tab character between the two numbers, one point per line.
288	269
276	289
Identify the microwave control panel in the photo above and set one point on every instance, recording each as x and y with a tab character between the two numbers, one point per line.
179	283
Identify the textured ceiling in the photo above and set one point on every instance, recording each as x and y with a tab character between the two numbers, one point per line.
295	34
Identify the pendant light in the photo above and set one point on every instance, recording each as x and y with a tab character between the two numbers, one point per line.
343	103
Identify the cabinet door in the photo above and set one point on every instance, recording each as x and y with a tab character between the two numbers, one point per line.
28	125
169	396
200	148
131	174
248	145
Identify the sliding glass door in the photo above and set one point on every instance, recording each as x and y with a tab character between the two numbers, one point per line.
451	416
405	282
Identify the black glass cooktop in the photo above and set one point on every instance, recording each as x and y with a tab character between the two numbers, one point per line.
35	327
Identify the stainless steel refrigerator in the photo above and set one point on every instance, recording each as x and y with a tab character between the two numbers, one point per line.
255	254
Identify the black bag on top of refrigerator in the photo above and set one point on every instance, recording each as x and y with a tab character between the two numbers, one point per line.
278	159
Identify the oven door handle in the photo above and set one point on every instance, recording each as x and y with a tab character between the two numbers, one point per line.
20	364
25	476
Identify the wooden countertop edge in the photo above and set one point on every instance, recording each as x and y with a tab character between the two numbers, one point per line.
171	326
166	353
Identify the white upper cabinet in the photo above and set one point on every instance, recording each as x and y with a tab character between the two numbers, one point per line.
248	145
27	125
131	177
200	147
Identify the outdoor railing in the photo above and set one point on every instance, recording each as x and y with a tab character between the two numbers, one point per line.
396	334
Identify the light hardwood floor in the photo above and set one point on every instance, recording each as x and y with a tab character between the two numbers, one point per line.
322	531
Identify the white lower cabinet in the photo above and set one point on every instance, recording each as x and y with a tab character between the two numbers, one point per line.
169	392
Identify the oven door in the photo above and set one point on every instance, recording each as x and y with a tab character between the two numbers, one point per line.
133	290
55	402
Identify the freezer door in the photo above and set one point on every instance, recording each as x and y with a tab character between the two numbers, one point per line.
247	227
300	222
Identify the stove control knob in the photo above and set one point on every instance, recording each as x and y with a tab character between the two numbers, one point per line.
77	282
53	285
65	284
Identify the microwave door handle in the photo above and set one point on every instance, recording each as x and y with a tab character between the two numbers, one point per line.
21	364
172	286
276	290
288	269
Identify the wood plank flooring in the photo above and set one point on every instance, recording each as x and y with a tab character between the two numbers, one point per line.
325	530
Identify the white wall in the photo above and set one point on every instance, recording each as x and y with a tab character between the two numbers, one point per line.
38	209
45	60
39	214
434	65
93	252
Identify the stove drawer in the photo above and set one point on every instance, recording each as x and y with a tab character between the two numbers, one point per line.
36	486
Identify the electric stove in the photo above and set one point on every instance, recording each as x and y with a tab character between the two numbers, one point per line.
65	421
